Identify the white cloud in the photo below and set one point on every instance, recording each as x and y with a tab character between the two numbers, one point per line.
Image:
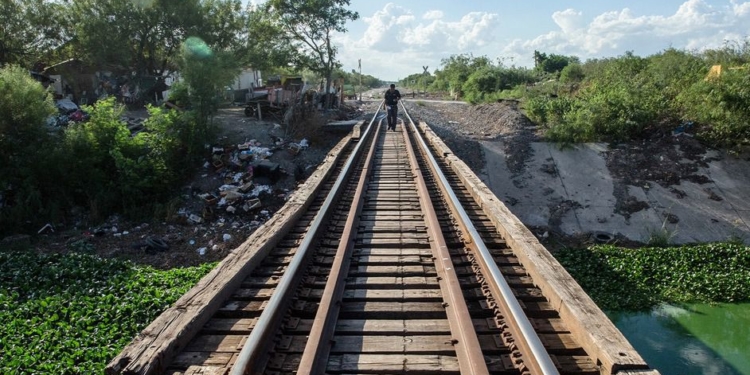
695	25
394	28
569	20
396	43
433	15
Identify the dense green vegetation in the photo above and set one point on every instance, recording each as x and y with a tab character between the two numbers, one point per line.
70	314
614	99
96	164
636	279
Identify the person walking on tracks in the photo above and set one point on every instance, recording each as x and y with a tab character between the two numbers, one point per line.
392	96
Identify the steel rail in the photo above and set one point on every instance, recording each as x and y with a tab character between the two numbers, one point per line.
318	347
254	348
465	340
541	362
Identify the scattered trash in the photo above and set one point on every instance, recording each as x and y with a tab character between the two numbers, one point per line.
603	237
157	244
294	148
202	251
682	129
44	228
251	204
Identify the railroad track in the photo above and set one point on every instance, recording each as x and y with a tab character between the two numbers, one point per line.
392	259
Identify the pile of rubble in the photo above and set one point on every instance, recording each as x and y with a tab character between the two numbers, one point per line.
242	200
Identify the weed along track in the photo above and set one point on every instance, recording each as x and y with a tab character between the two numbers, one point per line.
393	258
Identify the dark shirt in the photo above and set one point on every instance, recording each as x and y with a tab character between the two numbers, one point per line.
391	98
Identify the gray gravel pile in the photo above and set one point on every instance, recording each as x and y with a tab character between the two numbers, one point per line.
463	126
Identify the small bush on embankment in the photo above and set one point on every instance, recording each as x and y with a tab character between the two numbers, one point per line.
630	97
637	279
71	314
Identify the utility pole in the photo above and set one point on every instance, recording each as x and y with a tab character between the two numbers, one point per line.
359	62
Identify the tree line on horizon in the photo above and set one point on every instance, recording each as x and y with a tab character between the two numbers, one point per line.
613	99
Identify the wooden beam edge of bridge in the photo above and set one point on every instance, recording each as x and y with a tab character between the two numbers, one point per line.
586	321
153	349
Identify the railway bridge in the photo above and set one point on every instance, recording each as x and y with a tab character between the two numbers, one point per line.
392	258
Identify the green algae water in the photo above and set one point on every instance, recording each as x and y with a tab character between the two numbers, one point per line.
695	339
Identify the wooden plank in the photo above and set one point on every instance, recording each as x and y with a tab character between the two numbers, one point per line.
414	282
555	342
353	364
392	251
399	326
357	129
217	343
394	363
253	294
206	370
393	310
227	325
233	307
391	242
395	259
393	344
392	294
393	327
397	344
586	321
187	359
401	270
392	235
154	348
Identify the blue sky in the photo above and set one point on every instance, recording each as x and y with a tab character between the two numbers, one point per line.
395	39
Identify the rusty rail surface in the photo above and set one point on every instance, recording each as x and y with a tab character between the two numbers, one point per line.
395	259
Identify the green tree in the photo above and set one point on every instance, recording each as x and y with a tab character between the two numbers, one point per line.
206	72
480	83
146	36
30	30
572	73
553	63
309	26
222	25
262	47
25	147
455	70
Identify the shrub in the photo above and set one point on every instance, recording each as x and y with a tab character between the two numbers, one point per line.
113	171
721	104
70	314
636	279
572	73
25	147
